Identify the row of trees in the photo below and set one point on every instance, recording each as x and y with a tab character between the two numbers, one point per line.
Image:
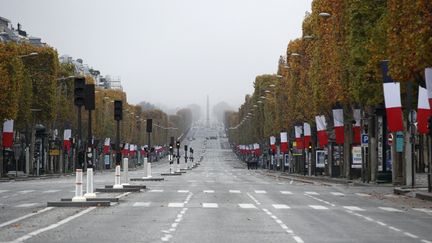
37	89
336	61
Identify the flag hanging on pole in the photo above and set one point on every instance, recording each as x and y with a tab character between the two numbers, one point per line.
428	78
357	126
106	146
392	100
8	134
338	121
321	131
273	143
298	136
423	111
67	134
307	134
284	142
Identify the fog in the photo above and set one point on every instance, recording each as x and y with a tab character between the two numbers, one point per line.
169	52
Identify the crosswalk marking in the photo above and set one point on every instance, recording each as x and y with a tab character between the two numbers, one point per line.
280	206
362	194
260	192
156	190
1	191
176	205
424	210
246	205
318	207
208	191
286	192
390	209
234	191
26	205
337	193
183	191
353	208
141	204
25	191
312	193
50	191
210	205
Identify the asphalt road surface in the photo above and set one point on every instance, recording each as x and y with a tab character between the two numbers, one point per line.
220	201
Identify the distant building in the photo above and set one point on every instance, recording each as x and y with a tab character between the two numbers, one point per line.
9	34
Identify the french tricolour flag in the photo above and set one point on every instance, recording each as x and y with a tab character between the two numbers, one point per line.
307	134
392	100
106	147
298	136
423	111
338	121
273	143
321	131
356	126
8	133
66	139
284	142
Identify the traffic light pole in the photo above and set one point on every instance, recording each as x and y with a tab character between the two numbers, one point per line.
89	151
118	153
78	164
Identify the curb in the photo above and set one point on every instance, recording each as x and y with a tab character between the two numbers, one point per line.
424	196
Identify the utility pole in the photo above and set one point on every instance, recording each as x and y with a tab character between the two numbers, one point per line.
79	92
118	116
89	106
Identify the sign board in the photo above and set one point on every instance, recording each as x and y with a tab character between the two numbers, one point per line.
399	142
54	152
287	160
321	157
356	157
364	140
390	139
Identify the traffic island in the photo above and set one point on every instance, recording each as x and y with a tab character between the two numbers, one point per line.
143	187
148	179
89	203
117	190
109	199
172	174
424	195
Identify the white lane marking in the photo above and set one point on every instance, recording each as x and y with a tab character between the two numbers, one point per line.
318	207
192	181
208	191
410	235
53	226
50	191
286	192
320	200
260	192
246	205
26	205
362	194
395	229
424	210
1	191
254	199
426	241
156	190
124	194
183	191
24	217
389	209
210	205
298	239
175	205
141	204
337	193
280	206
353	208
26	191
210	181
234	191
312	193
381	223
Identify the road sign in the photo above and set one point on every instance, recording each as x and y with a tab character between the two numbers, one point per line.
390	139
364	140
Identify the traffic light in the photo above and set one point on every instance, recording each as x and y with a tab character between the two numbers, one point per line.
118	110
190	150
185	148
171	149
149	125
178	144
89	97
79	91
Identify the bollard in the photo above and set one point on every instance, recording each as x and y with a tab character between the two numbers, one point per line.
126	171
145	167
89	184
78	187
117	184
149	174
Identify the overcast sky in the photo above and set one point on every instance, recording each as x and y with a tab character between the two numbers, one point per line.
171	52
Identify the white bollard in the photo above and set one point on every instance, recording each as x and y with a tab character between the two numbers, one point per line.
149	173
126	171
89	184
78	187
117	184
145	167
